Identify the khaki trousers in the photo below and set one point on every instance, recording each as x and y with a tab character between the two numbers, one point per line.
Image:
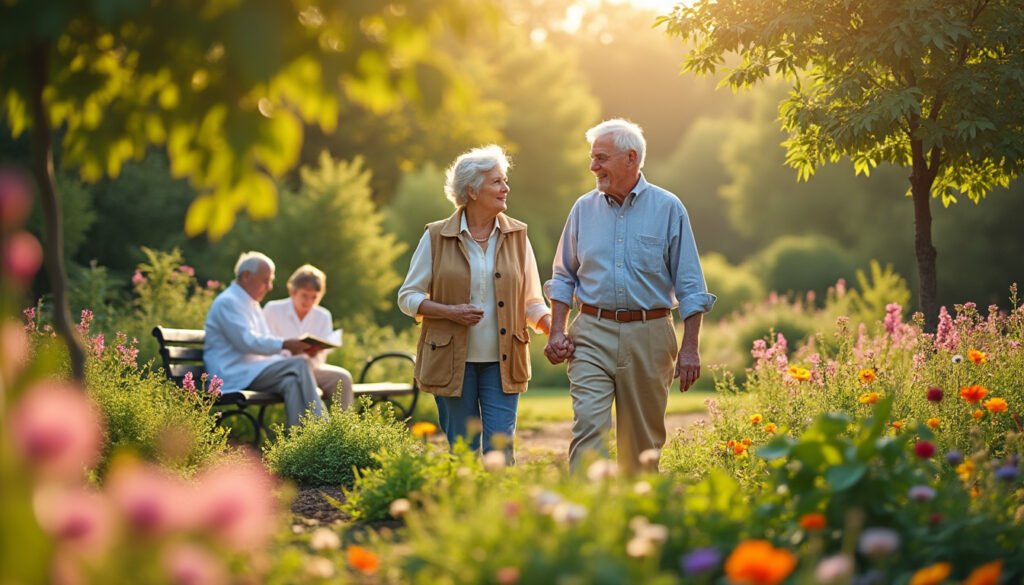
328	378
630	364
292	378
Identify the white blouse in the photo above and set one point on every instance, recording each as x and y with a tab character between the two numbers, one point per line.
285	322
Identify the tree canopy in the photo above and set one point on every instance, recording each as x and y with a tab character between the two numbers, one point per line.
934	85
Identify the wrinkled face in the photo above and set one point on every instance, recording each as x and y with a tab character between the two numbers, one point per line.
616	171
492	196
304	299
258	283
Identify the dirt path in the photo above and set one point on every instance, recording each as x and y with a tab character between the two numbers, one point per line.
548	442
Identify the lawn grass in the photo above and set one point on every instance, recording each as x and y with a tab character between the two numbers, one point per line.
542	404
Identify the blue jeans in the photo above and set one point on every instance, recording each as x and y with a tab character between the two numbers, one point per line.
482	399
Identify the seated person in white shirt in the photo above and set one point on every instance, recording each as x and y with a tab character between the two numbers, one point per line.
241	350
300	314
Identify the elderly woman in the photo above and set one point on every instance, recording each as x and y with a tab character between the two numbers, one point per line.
300	314
473	282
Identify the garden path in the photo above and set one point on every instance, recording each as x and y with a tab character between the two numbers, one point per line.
547	442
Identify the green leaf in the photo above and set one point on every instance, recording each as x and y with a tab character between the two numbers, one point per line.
776	448
843	477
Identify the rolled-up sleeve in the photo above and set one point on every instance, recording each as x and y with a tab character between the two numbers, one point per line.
562	286
416	287
691	289
536	308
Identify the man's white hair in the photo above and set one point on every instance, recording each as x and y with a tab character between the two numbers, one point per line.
625	135
251	261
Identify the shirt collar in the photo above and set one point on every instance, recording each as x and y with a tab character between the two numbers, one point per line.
464	226
237	290
640	187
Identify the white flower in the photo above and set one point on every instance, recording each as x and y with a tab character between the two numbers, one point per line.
922	493
319	567
878	542
958	358
642	488
638	547
495	460
834	569
399	507
649	458
324	539
546	500
568	513
602	469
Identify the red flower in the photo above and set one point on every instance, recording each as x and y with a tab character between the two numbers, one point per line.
935	394
924	449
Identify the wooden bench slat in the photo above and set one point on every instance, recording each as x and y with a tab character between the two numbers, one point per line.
383	389
166	335
184	354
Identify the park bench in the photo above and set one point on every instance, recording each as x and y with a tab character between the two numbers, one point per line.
181	351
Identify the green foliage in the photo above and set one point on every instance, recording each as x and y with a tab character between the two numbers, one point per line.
801	264
735	286
330	451
883	288
78	215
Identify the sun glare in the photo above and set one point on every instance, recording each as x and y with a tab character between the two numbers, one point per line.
659	6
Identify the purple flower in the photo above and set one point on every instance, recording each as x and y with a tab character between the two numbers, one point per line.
954	457
700	561
935	394
922	493
1007	473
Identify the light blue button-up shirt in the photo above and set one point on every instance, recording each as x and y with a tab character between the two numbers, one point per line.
638	255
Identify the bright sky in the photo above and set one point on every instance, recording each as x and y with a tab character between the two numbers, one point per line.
659	6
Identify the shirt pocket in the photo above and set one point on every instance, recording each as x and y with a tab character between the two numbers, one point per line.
649	254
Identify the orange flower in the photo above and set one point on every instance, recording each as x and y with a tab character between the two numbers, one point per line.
987	574
974	393
422	429
755	419
812	521
869	397
977	357
738	448
965	469
770	428
995	405
757	562
931	575
933	423
799	374
897	424
867	376
746	441
978	414
362	559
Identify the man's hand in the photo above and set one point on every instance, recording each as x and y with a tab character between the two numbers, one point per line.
559	347
467	315
295	346
314	350
687	368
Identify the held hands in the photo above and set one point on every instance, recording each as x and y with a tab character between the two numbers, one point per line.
687	368
467	315
559	347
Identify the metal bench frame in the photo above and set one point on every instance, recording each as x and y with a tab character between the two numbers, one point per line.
181	352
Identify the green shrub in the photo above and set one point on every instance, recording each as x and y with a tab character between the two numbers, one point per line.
735	286
329	451
801	264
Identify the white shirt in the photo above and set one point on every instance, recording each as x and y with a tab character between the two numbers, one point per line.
482	342
284	322
239	344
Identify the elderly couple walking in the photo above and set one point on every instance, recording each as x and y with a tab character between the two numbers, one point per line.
625	259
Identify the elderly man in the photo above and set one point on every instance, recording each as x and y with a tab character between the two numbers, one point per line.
242	351
627	257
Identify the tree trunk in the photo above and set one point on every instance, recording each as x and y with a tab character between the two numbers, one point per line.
921	186
53	242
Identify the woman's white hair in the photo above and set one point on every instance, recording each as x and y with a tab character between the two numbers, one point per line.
625	135
251	261
467	172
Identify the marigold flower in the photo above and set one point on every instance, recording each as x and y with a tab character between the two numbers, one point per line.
973	394
897	424
933	423
757	562
867	376
799	374
362	559
770	428
813	521
869	397
977	357
423	429
935	394
932	574
987	574
755	419
978	414
738	448
924	449
746	441
995	405
965	470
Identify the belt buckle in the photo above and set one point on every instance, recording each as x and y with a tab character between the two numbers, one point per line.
626	311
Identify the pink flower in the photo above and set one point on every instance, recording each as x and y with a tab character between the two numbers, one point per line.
56	429
30	319
893	317
188	383
186	269
14	342
98	345
15	197
152	501
79	519
191	565
212	284
946	336
23	257
235	502
215	385
138	278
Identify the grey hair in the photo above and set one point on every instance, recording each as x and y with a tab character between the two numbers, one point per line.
467	172
307	276
625	135
251	261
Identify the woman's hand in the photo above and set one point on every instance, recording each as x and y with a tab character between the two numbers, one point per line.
468	315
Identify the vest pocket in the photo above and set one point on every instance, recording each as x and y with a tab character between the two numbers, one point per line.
437	360
521	370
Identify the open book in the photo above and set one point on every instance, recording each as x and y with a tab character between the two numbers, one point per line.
334	340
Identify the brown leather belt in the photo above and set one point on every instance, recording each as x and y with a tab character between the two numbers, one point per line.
624	315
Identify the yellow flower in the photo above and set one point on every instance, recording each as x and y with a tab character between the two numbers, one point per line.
422	429
746	441
995	405
987	574
867	376
933	423
965	469
932	574
869	397
799	374
770	428
977	357
755	419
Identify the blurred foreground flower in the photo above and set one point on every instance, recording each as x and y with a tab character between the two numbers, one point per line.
834	569
236	503
700	561
757	562
423	429
987	574
878	542
56	430
362	559
931	575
